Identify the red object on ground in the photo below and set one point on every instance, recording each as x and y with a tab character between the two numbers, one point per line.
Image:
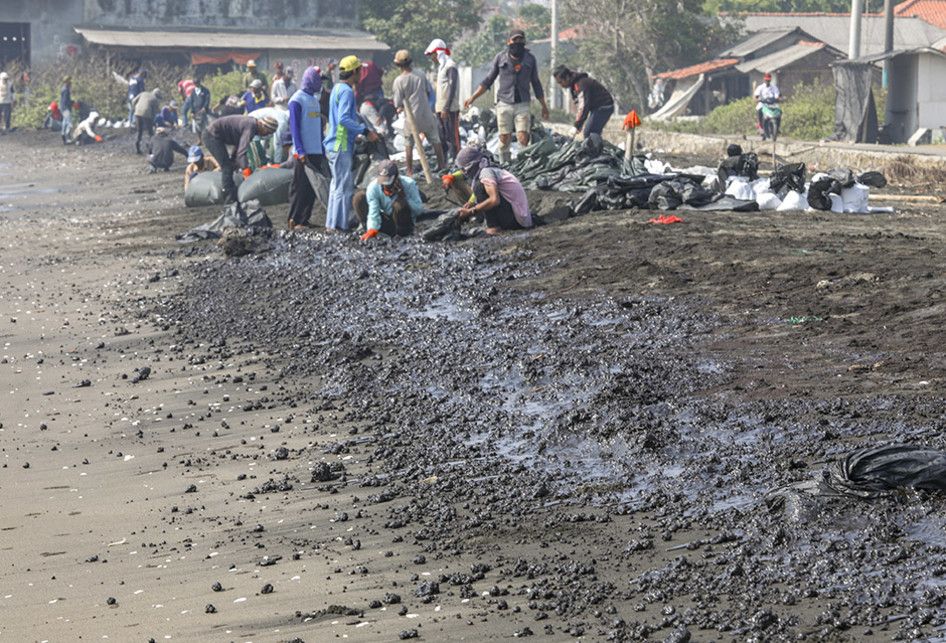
665	219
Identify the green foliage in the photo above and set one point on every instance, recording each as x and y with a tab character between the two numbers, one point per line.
537	20
412	24
807	114
482	46
223	85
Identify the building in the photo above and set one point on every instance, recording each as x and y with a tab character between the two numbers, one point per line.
791	54
222	30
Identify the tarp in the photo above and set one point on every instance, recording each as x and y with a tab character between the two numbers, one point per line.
855	113
678	101
250	215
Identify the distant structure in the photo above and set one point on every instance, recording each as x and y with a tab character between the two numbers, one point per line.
34	32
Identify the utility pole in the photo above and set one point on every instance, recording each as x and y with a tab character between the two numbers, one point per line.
854	44
888	40
554	92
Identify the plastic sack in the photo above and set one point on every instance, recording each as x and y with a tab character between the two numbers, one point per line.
855	198
269	186
792	201
768	201
740	189
207	189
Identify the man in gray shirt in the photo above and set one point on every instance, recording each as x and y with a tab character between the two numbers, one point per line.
518	72
413	90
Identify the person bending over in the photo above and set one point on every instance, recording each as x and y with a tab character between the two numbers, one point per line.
498	196
390	204
239	132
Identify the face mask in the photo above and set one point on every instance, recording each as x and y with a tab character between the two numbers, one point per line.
517	49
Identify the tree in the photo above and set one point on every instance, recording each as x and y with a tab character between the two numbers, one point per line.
625	43
481	47
412	24
736	6
537	20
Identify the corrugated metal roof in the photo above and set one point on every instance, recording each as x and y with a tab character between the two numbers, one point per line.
876	58
190	39
757	41
700	68
782	58
909	33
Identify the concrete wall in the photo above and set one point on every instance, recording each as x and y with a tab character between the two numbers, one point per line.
931	91
255	14
902	98
50	21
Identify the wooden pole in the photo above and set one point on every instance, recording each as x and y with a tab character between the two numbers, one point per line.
628	145
409	114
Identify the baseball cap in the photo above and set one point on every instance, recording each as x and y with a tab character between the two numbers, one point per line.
387	172
194	154
517	33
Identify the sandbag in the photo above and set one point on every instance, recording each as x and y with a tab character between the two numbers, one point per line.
768	201
793	201
207	189
854	199
269	186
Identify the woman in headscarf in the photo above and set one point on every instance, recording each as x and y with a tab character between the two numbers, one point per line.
305	125
498	196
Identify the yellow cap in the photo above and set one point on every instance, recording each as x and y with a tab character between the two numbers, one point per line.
349	63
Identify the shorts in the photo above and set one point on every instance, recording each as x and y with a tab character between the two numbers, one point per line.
431	132
518	114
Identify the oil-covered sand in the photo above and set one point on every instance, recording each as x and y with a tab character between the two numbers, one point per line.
581	432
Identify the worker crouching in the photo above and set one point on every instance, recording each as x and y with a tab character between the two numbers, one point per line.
497	196
390	204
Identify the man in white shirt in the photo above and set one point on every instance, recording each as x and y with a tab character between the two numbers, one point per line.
766	91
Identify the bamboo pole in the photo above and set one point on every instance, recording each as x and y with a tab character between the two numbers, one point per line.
418	144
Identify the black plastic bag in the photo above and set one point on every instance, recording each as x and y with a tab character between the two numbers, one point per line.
788	177
843	176
873	179
746	165
819	191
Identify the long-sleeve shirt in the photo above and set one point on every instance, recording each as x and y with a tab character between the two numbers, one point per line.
235	130
65	98
588	95
379	203
343	122
162	148
146	105
254	102
136	85
413	89
515	78
283	90
305	123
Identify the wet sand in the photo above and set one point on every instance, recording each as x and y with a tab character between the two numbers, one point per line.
572	433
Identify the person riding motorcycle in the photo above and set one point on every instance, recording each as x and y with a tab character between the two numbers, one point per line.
767	94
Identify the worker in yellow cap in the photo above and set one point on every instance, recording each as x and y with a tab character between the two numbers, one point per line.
343	127
252	73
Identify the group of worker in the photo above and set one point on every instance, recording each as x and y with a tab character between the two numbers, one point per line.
317	123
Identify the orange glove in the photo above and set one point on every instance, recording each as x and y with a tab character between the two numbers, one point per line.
246	172
371	234
447	180
98	139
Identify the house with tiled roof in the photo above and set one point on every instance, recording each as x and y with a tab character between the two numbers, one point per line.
789	53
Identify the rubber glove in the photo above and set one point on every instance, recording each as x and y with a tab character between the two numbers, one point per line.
371	234
246	172
98	138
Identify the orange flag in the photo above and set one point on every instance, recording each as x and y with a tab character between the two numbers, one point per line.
632	120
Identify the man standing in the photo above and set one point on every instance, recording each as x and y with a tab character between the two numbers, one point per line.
343	127
766	92
6	99
145	106
252	74
448	96
198	104
305	124
517	71
237	131
136	85
284	88
65	107
594	103
411	90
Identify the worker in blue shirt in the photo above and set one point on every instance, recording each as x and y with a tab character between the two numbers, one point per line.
343	127
305	125
136	85
390	205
